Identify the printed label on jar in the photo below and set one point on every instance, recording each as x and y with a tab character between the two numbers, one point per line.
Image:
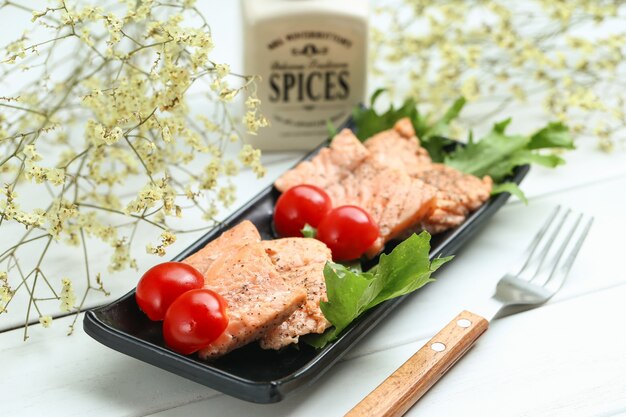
310	77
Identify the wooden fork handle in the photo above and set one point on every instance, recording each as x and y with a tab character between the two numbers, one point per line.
409	382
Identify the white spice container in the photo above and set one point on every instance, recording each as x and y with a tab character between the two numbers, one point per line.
312	59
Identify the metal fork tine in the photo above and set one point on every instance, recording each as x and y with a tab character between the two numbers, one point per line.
530	251
566	241
513	290
557	276
545	248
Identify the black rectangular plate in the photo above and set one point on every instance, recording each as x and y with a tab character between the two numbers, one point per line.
251	373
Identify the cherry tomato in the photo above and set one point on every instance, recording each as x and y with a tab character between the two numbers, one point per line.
298	206
162	284
348	231
194	320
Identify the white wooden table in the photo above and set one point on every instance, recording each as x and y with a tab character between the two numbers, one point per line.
567	358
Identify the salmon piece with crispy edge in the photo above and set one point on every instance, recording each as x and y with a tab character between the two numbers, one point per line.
258	297
458	195
393	208
399	148
351	174
301	262
229	241
330	165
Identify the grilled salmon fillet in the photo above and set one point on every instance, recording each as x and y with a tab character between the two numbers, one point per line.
393	208
399	148
258	297
301	262
458	195
229	241
350	174
329	166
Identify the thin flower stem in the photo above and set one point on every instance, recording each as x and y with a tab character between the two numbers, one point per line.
131	82
143	163
24	109
8	252
88	276
121	213
31	47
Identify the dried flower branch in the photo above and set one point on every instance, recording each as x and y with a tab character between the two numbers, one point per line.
113	111
570	55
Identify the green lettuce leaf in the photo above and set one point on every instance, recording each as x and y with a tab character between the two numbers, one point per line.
478	157
554	135
350	293
430	130
509	187
368	122
496	154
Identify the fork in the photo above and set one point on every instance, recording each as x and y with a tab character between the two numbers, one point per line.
534	279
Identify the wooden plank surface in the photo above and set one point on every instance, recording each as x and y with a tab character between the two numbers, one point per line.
78	374
565	359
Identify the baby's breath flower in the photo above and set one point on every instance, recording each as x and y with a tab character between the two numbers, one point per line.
227	94
254	122
211	212
248	155
106	140
251	157
167	135
68	299
227	195
45	321
503	57
222	70
114	26
167	238
231	168
85	36
31	154
5	291
147	198
252	102
216	85
210	175
55	176
121	258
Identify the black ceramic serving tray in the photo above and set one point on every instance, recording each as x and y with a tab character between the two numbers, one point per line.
251	373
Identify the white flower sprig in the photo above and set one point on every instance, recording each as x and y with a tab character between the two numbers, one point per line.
496	53
115	109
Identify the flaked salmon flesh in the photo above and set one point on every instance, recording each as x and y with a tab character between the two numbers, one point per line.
231	240
393	208
400	148
393	178
395	200
301	262
329	166
258	297
458	194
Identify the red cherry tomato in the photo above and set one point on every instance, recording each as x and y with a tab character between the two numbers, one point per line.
162	284
194	320
298	206
348	231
